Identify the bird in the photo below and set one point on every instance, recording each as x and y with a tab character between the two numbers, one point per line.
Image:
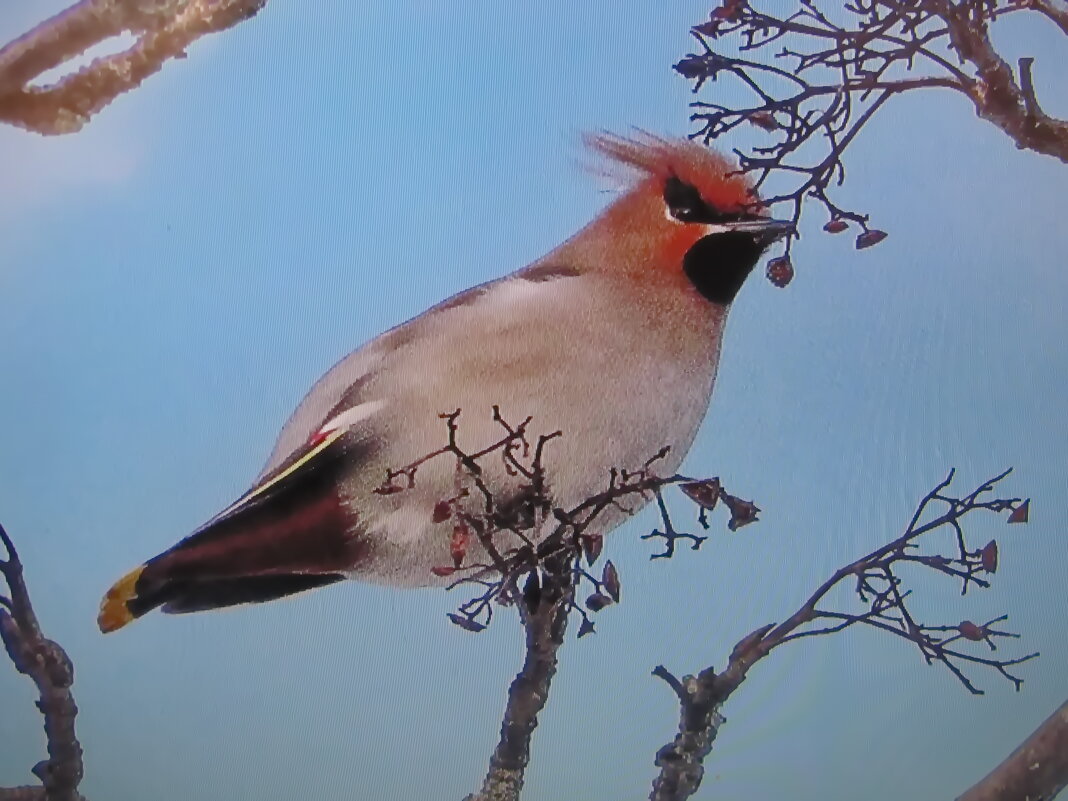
612	339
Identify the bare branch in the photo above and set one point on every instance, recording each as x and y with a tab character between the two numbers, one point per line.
838	74
997	96
1036	770
878	585
48	665
544	620
1056	10
165	28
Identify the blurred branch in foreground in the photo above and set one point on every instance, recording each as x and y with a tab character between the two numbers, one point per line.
1036	770
164	29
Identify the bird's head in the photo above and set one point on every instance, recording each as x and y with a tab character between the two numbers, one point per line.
688	216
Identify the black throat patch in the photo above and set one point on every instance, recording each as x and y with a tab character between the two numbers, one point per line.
718	264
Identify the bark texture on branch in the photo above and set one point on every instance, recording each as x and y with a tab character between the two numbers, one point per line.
544	620
48	665
1036	771
999	97
165	28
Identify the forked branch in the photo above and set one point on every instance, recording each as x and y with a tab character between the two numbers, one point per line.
818	73
931	542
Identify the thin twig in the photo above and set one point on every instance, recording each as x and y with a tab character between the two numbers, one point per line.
878	586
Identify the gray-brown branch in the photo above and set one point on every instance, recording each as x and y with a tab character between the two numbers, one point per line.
1037	770
48	665
999	97
816	80
165	28
544	620
701	697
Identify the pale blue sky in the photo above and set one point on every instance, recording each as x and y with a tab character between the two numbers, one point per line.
175	276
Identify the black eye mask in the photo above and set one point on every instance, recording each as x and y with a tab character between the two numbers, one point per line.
685	204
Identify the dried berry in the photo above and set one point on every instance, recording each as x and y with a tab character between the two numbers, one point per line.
610	580
703	493
692	67
989	557
764	120
835	226
458	543
592	544
869	238
1019	514
780	271
597	602
442	511
742	512
466	623
970	631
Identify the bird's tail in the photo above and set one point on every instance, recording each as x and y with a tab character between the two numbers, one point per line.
126	601
288	534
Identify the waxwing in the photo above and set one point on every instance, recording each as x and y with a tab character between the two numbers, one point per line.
613	339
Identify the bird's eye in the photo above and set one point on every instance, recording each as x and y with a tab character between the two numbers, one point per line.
683	201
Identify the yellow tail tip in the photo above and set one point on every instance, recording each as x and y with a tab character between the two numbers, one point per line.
114	612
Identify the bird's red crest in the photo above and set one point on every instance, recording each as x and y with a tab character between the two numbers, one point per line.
715	176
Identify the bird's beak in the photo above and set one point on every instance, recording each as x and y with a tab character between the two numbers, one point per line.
766	230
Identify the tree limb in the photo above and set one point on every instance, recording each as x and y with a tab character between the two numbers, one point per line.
701	697
544	620
165	28
997	96
837	70
1037	770
48	665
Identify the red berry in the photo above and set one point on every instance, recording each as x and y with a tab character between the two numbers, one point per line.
703	493
989	557
780	271
869	238
1019	514
458	544
442	512
610	580
765	120
591	546
835	226
970	631
597	602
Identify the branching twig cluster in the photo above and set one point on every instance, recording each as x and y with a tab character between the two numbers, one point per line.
519	535
538	556
818	77
44	661
164	29
931	542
